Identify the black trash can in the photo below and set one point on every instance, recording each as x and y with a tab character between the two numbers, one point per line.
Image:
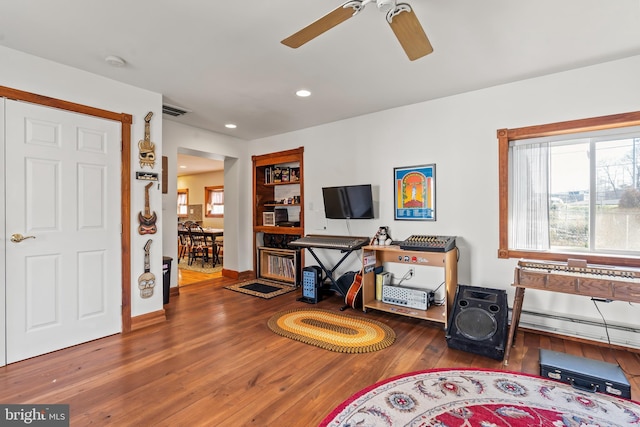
166	277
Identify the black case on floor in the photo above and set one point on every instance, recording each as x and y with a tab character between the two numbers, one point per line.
584	374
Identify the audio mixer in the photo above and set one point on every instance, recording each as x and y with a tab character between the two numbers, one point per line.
428	243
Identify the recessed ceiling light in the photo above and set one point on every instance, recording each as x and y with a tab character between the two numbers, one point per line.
303	93
230	126
115	61
183	167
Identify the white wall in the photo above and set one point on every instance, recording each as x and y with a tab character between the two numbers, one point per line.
237	178
458	134
31	74
196	184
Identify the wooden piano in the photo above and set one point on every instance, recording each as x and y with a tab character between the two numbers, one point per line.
574	277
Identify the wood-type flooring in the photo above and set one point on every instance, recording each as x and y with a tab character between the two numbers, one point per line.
216	363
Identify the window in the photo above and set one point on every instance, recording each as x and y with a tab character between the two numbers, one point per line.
183	203
214	197
572	190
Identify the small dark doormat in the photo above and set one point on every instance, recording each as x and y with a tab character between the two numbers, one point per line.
261	288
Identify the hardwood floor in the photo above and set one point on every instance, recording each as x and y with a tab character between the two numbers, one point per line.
189	277
216	363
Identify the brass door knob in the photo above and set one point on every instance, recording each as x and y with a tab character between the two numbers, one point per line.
17	237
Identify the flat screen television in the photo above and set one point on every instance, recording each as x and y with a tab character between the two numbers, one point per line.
348	202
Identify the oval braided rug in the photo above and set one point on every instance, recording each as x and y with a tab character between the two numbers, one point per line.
332	331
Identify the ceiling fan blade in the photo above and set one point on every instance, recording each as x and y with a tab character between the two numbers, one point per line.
327	22
409	32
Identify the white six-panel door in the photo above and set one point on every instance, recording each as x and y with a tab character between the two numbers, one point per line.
3	323
63	283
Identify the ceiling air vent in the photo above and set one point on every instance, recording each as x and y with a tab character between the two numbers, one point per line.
174	111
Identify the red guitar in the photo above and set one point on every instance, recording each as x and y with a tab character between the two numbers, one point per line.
354	295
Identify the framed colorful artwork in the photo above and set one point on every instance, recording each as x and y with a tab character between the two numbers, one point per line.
415	192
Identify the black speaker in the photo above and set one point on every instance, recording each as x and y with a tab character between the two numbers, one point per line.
479	321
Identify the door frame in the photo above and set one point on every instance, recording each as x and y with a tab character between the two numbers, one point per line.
126	121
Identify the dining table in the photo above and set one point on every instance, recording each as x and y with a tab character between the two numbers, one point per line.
213	233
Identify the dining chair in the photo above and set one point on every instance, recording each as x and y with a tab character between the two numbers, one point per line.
184	243
199	247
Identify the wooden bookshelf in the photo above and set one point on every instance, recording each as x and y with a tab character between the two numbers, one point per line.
269	195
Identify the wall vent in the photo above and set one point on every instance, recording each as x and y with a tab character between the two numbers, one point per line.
174	111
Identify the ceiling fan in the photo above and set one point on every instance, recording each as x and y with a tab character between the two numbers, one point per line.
400	16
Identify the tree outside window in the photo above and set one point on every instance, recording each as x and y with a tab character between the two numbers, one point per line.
214	198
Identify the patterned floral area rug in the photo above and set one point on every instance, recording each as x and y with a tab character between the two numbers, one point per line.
261	288
332	331
467	397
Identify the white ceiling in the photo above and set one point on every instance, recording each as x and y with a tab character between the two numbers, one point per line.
191	165
223	59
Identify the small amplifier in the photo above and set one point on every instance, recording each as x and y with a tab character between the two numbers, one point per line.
407	297
311	281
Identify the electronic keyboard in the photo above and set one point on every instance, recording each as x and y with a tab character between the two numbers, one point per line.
330	242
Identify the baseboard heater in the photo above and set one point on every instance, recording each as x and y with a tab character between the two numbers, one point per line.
578	320
603	336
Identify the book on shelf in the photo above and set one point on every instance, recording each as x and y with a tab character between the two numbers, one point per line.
382	279
277	174
284	174
294	174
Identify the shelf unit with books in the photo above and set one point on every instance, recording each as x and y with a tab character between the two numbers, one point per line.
278	188
270	192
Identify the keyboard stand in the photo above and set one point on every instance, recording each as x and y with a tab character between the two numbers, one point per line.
329	272
313	242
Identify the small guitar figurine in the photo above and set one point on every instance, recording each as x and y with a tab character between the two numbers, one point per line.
353	298
147	154
147	280
147	219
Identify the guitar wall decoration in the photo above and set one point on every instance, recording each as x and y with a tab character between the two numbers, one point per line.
147	280
147	148
147	219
